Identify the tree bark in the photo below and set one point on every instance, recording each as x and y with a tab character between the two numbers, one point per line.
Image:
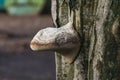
98	24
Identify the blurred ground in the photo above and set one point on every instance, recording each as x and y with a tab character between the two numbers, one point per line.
17	60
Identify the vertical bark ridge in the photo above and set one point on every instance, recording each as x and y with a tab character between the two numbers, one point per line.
98	59
65	71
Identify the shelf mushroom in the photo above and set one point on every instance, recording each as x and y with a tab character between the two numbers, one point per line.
63	40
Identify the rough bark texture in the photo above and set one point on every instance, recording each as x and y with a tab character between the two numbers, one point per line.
98	25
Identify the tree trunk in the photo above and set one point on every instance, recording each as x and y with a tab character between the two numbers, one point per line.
98	25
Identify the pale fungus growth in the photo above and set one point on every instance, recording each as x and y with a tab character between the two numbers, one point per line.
64	40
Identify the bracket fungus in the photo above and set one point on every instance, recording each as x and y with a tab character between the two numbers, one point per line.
63	40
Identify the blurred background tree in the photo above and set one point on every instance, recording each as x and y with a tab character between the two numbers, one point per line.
17	60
